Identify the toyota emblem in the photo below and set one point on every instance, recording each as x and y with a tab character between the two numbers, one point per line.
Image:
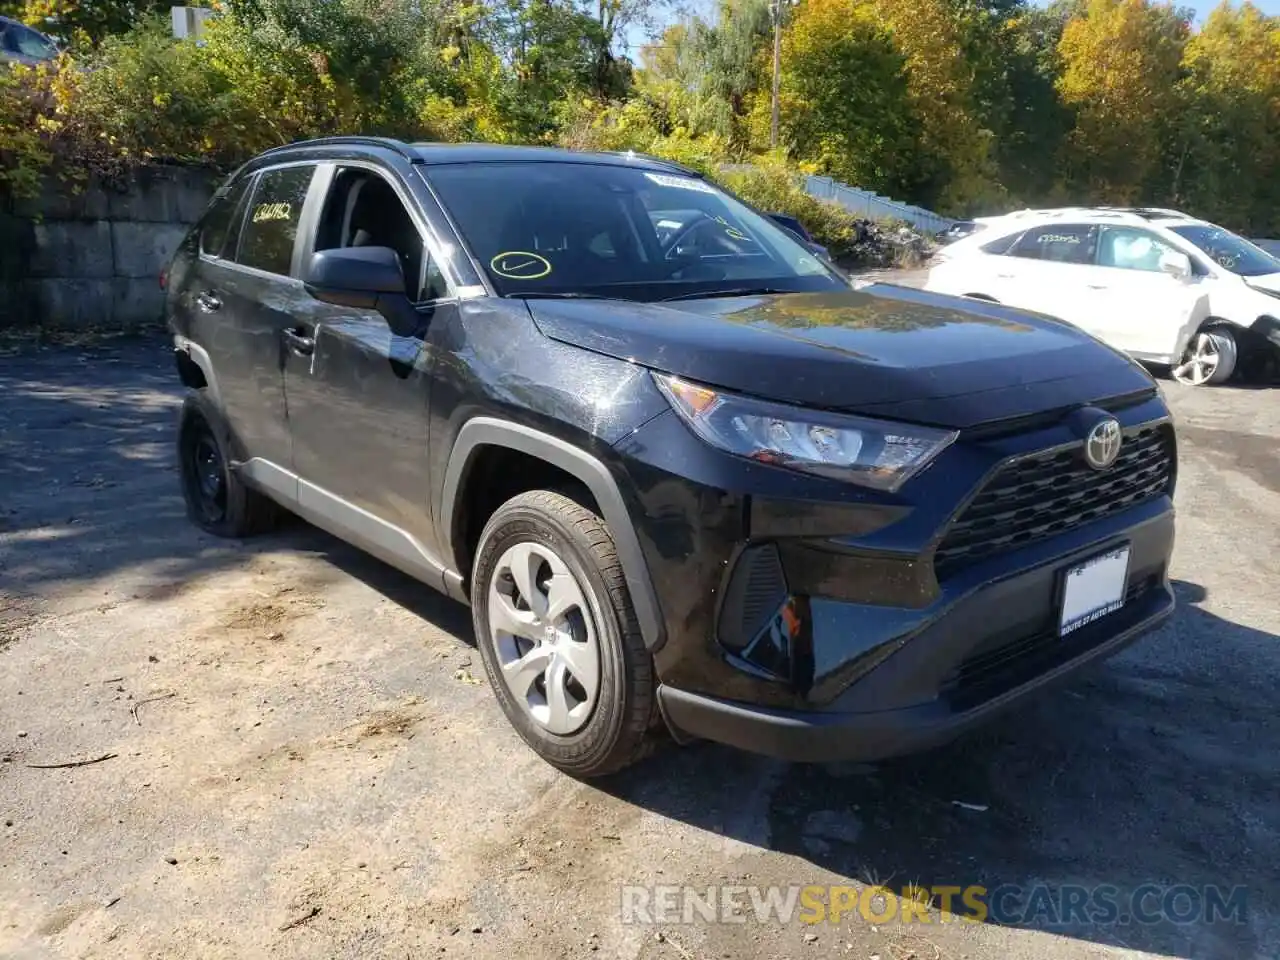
1102	445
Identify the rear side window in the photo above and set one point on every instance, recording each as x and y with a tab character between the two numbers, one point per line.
271	221
1058	243
217	222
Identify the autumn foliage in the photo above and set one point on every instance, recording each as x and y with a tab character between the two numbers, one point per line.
966	106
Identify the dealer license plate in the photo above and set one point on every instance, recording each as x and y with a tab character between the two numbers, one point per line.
1094	589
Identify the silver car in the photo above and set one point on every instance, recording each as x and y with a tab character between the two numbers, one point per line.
20	44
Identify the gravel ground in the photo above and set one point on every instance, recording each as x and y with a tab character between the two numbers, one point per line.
302	764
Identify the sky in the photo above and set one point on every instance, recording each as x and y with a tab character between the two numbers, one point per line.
636	38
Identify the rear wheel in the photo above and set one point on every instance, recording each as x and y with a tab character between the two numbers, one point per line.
217	500
558	636
1210	358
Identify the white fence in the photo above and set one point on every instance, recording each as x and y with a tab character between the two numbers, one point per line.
866	204
873	206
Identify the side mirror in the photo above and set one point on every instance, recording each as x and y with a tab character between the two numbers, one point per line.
367	278
355	276
1175	264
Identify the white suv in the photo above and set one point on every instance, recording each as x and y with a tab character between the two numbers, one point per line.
1162	286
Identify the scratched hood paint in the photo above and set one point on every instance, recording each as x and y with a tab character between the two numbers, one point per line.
884	350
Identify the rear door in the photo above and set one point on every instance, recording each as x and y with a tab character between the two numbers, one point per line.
1048	271
247	297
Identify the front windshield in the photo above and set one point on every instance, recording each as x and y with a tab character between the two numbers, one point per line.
565	229
1229	251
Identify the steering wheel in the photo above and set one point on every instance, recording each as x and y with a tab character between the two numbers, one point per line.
672	245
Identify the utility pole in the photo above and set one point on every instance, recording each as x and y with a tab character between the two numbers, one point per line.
775	10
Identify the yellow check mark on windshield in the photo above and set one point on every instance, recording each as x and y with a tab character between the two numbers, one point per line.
520	265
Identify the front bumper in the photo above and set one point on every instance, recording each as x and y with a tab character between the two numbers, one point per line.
952	670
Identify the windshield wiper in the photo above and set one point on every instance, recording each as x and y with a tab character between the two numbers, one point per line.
731	292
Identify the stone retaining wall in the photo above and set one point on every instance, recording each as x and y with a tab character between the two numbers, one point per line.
91	258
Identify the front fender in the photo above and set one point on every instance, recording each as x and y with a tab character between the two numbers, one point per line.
480	432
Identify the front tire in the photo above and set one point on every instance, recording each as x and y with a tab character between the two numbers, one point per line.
217	500
558	635
1210	358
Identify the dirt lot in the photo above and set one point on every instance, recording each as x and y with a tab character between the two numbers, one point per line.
302	766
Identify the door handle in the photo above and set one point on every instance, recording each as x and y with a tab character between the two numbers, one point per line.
299	342
1096	286
1004	276
208	302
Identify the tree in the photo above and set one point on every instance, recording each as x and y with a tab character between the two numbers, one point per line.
1121	66
1223	162
86	21
1012	49
705	73
846	97
551	49
954	168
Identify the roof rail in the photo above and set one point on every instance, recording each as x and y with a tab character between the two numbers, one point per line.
1120	213
661	161
1148	212
386	143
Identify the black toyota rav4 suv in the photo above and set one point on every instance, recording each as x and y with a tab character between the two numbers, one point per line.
685	474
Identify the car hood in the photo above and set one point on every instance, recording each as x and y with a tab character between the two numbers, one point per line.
883	350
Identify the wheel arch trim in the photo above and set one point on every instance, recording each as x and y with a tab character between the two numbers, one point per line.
200	357
481	432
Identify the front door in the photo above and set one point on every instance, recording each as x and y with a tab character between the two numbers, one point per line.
1140	308
358	393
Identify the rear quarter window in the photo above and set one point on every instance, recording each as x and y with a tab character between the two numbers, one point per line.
217	224
1001	245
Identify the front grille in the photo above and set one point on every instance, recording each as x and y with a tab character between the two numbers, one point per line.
1047	494
989	672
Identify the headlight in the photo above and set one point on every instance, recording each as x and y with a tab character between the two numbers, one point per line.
872	453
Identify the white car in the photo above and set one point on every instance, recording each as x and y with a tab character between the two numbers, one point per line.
1157	284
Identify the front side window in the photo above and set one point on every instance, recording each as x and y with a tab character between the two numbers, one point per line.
271	221
364	210
566	229
1058	243
1229	251
1131	248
